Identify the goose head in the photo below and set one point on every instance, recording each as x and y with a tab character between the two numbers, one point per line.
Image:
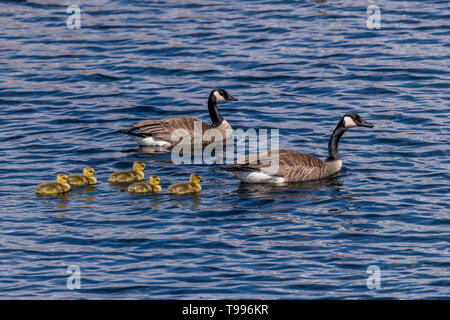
138	166
154	180
63	178
351	120
220	95
88	172
195	178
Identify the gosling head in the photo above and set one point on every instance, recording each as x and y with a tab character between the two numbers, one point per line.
195	178
220	95
62	178
88	172
155	180
351	120
138	166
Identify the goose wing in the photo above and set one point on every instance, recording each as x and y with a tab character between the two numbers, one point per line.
163	129
292	165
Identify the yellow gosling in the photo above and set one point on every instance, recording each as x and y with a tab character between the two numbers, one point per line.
146	187
193	186
85	179
60	186
129	176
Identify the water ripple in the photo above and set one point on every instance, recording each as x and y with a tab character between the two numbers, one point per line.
296	66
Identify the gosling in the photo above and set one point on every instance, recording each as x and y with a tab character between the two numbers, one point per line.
193	186
129	176
83	180
146	187
60	186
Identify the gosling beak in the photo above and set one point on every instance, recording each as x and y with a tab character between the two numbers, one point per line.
231	98
68	180
365	124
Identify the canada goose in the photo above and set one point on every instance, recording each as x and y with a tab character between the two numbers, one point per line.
129	176
158	133
85	179
146	187
193	186
57	187
294	166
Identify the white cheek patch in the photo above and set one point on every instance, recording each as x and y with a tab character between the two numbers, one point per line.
349	123
219	97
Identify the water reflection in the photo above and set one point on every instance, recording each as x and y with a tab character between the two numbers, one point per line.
88	191
61	200
300	190
214	153
155	200
194	200
146	150
120	186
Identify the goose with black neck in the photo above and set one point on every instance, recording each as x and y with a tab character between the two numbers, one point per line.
168	132
294	166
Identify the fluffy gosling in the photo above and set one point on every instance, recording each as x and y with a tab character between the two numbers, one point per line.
129	176
146	187
193	186
60	186
83	180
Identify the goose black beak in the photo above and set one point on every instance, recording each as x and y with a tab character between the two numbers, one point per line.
365	124
231	98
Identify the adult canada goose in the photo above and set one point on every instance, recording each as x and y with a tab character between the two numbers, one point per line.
60	186
146	187
193	186
158	133
294	166
85	179
129	176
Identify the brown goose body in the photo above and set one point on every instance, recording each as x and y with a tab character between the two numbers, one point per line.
293	166
168	132
280	166
171	131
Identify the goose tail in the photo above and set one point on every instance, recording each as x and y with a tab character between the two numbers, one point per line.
130	132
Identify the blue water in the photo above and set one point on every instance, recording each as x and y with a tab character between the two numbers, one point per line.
294	65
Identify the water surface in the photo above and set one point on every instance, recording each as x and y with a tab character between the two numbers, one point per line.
294	65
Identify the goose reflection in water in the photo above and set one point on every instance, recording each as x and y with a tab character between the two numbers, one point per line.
145	150
61	200
299	190
89	192
186	200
